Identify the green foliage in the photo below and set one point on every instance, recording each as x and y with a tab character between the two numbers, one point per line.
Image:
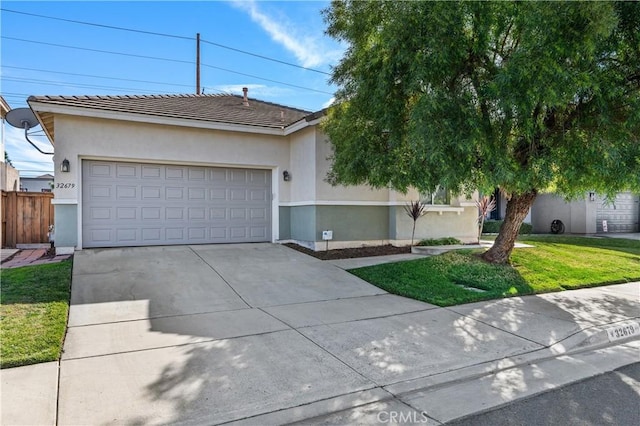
493	227
522	96
446	241
7	159
554	264
34	304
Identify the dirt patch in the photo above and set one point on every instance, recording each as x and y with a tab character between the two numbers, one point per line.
351	253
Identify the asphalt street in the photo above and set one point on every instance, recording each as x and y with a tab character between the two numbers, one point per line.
608	399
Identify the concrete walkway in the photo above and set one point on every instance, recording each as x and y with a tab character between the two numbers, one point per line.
262	334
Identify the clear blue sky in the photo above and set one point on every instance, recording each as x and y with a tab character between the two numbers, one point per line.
289	31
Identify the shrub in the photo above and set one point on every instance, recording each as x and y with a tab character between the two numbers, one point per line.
447	241
493	227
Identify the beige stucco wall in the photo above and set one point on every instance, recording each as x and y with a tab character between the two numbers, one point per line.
579	216
326	192
9	177
304	154
302	186
81	137
438	224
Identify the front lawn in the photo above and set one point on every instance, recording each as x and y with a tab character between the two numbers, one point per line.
555	263
34	304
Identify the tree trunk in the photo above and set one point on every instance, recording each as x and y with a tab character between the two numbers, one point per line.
517	208
413	232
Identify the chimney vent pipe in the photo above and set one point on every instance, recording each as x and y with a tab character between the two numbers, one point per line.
245	100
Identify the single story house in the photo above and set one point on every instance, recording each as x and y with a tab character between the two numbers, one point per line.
42	183
202	169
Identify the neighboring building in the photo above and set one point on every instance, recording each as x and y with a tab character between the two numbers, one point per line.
43	183
190	169
587	215
9	176
501	207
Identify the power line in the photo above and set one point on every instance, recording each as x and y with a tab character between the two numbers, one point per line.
223	46
111	27
98	76
98	50
34	162
168	59
265	57
80	85
267	79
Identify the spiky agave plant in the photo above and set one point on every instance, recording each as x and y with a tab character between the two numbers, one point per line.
415	209
485	206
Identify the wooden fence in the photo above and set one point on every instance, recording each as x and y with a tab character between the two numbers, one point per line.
26	217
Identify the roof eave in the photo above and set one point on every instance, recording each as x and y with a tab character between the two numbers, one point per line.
4	107
43	107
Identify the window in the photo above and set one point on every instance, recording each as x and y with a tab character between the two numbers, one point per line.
440	197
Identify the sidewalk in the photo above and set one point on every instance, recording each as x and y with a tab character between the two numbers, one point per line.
28	257
444	363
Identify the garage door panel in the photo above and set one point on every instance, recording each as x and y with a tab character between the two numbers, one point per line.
99	191
174	194
174	173
127	213
622	215
127	204
151	172
218	234
126	171
174	213
126	192
175	234
152	235
260	177
100	170
100	213
197	174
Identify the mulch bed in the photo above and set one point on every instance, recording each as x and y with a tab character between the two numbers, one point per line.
351	253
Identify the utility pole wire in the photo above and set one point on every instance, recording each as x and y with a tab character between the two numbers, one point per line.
97	50
166	59
97	76
223	46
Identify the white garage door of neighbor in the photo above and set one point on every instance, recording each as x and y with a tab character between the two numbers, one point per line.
622	215
130	204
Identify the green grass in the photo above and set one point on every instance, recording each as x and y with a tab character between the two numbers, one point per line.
555	263
576	262
34	304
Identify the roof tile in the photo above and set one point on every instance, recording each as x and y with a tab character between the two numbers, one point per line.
215	108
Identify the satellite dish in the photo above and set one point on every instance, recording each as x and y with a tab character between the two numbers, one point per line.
22	118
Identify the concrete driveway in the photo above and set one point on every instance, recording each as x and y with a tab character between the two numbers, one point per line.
260	334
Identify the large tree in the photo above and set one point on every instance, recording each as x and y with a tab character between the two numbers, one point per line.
522	96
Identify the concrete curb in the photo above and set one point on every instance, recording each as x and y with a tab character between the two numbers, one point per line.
568	356
492	391
472	386
578	343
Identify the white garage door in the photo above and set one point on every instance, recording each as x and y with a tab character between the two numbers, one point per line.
130	204
622	215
